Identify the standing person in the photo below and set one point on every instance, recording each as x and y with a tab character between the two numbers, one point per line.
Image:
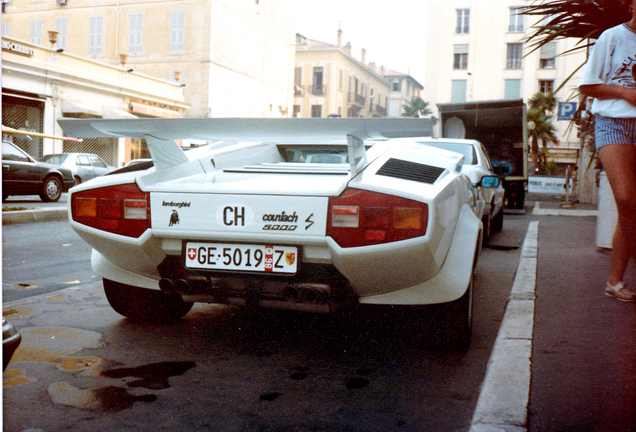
610	77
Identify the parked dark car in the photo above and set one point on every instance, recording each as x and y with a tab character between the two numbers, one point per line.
10	341
84	166
23	175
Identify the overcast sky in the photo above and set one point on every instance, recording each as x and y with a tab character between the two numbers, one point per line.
393	32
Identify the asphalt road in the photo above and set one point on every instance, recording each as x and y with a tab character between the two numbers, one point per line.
224	368
82	367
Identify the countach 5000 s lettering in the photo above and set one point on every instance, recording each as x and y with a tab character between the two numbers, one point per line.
308	214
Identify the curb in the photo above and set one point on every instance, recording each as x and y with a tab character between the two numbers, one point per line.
35	215
505	393
538	211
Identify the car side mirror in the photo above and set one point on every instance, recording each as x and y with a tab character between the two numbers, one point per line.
489	181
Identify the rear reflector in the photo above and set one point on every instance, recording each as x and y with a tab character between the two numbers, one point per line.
122	209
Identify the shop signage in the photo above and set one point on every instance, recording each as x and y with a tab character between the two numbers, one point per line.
18	49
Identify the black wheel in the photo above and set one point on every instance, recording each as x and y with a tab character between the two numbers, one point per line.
456	319
51	190
497	222
485	220
144	304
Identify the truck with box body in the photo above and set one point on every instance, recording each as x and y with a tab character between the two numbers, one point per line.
501	127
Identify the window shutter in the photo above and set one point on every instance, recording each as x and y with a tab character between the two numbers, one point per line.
548	51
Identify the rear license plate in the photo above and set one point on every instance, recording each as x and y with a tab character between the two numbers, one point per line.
241	257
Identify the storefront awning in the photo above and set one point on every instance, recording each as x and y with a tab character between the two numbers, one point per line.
152	111
69	107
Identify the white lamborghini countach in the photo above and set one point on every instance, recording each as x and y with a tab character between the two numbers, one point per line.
304	214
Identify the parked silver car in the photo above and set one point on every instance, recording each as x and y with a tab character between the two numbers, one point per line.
84	166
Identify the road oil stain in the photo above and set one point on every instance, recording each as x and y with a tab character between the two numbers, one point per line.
151	376
77	364
53	345
50	344
15	378
17	312
105	399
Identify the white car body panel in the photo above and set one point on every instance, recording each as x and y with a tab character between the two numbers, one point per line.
231	192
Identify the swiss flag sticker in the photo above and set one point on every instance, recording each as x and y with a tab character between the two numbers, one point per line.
192	253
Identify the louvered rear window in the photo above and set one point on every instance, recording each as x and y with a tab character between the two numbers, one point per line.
410	171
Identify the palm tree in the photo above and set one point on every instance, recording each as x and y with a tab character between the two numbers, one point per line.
546	102
540	129
580	19
416	107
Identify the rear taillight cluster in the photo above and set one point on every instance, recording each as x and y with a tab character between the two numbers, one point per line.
363	218
122	209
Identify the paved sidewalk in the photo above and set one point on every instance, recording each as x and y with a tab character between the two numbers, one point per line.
584	344
27	209
565	356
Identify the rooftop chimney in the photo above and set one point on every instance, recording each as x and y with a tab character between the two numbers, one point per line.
347	48
339	36
363	55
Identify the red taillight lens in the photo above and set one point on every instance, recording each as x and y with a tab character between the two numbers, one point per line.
363	218
123	209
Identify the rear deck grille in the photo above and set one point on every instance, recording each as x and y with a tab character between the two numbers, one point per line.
410	171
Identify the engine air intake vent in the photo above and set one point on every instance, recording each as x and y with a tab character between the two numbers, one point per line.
410	171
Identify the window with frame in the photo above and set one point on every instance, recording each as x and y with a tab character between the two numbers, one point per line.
395	85
296	111
61	27
546	86
547	56
135	33
514	55
6	29
516	20
512	89
318	83
316	110
463	21
36	32
95	36
458	90
460	56
298	81
177	31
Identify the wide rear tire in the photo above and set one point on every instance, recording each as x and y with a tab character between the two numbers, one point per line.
455	321
144	304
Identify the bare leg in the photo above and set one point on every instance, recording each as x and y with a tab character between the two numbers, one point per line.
619	162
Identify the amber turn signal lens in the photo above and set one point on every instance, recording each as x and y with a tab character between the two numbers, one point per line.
85	207
407	218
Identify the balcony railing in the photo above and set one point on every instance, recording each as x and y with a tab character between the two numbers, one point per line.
380	111
356	98
310	90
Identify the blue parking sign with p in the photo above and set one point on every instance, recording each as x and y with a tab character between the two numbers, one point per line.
567	110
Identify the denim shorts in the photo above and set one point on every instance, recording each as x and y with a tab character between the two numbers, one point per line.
610	130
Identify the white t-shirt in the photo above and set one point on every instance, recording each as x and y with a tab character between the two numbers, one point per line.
613	61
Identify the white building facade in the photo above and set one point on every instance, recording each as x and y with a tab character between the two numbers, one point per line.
235	58
477	51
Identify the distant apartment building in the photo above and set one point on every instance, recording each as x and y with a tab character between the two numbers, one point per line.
329	81
235	58
404	88
477	51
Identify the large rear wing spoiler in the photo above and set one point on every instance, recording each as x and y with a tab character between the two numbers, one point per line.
160	134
